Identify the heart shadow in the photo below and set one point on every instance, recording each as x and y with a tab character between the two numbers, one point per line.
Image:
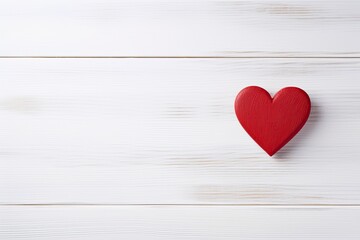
314	118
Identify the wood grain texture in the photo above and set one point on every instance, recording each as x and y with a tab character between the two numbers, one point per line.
286	28
133	223
164	131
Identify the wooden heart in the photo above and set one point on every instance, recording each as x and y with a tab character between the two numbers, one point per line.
272	122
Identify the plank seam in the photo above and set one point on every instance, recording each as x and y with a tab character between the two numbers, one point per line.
176	205
179	57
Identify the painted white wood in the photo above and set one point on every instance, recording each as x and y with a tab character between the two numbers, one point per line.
179	28
187	222
163	131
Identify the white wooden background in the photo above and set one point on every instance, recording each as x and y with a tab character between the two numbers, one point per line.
117	122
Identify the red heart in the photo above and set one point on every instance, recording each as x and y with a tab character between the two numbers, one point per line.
272	122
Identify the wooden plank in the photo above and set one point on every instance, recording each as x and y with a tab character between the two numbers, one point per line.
180	28
164	131
187	222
